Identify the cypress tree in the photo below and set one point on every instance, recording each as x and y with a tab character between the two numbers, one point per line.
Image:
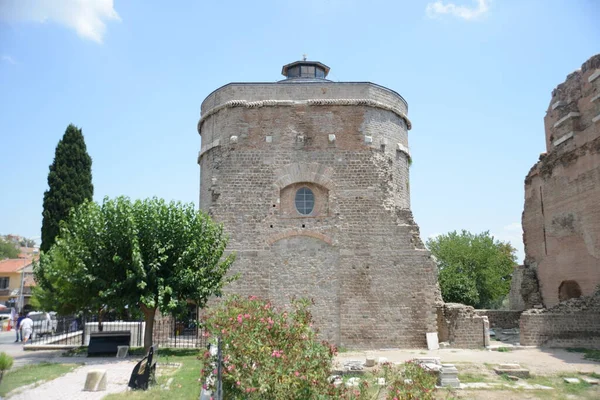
69	181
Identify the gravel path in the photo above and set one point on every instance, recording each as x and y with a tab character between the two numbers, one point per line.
540	361
70	386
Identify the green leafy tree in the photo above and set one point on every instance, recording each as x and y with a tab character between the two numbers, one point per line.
27	242
473	269
8	249
148	253
69	181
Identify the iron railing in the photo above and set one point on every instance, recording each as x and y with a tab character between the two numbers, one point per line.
75	331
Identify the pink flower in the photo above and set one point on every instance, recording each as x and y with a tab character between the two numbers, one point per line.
240	318
238	383
277	353
297	373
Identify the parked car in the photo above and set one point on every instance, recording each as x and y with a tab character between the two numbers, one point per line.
43	323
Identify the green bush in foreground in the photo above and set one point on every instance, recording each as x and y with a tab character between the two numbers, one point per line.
6	362
270	353
409	381
275	354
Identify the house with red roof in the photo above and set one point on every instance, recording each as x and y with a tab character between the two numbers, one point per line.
16	281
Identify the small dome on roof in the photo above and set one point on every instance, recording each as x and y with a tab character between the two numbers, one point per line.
305	69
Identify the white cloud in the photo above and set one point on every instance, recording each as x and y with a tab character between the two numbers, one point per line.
8	59
86	17
468	13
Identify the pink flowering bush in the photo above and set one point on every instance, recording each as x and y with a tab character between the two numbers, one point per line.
409	382
272	354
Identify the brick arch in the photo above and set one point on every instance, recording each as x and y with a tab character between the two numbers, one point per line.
568	290
304	172
288	234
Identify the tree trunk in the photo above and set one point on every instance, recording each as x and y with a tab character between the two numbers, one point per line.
100	316
149	319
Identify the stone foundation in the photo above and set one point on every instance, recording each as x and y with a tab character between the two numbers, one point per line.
505	319
573	323
460	326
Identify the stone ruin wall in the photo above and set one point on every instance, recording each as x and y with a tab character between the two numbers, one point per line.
359	256
573	323
504	319
561	217
462	326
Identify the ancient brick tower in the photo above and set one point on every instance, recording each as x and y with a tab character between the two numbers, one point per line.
561	219
311	180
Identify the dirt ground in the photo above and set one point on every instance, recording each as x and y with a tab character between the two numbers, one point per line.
547	367
539	361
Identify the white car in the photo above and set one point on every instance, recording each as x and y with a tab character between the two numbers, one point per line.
43	323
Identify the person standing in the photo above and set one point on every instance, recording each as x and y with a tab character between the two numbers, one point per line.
20	318
26	329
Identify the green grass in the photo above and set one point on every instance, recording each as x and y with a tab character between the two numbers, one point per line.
504	349
470	377
185	385
33	373
588	354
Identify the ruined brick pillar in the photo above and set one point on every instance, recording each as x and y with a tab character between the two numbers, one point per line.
561	219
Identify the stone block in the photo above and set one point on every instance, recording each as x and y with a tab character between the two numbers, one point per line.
331	138
432	340
233	139
572	380
269	139
590	381
512	369
95	381
448	376
370	361
122	351
368	139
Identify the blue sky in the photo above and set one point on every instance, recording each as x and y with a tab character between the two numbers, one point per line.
477	75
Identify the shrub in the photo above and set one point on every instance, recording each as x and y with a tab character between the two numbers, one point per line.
6	362
270	353
409	382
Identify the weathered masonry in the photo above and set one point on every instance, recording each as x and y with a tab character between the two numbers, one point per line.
311	180
561	220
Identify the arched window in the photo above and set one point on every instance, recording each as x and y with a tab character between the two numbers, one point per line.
305	201
568	290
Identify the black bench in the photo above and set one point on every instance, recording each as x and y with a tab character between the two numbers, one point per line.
144	371
108	342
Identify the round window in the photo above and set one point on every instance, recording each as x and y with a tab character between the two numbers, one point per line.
305	201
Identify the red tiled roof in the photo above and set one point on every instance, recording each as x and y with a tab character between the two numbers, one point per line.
13	265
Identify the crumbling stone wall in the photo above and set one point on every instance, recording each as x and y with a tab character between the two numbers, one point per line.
358	255
573	323
461	326
505	319
515	299
561	218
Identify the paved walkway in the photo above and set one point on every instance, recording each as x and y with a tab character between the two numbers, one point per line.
70	386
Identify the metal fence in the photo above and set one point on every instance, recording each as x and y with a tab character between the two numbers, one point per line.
75	331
